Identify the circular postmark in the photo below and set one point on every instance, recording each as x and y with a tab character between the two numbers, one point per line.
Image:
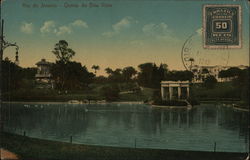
194	55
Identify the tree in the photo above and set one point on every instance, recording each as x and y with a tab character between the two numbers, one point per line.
162	71
145	74
191	61
109	71
114	75
61	69
62	52
151	75
110	93
194	70
223	74
95	67
12	76
128	73
205	71
210	82
232	72
73	76
242	83
180	76
29	73
100	79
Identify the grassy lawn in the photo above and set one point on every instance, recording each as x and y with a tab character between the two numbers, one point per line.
93	93
222	91
31	148
143	95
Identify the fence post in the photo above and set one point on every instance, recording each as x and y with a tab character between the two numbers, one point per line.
24	133
214	146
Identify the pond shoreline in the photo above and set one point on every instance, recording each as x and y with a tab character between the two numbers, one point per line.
113	102
46	150
124	102
171	107
63	102
239	108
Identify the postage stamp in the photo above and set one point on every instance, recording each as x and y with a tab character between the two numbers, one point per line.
222	26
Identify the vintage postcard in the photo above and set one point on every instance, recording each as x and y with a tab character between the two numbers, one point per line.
130	79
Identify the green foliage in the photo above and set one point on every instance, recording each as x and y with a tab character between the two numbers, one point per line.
67	74
121	75
242	82
62	52
231	72
114	75
128	73
71	75
151	75
210	82
110	93
12	75
205	71
29	73
221	90
95	67
28	83
48	150
157	96
145	75
100	79
179	76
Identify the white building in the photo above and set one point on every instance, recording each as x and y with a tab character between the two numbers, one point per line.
171	90
43	76
201	72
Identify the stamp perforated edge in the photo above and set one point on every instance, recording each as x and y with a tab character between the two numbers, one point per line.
204	27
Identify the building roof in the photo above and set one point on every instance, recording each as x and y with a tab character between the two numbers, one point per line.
174	82
43	62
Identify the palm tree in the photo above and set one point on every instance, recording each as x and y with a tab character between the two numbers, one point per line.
95	67
109	70
191	60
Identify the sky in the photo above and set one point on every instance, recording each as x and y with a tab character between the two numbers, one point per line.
116	35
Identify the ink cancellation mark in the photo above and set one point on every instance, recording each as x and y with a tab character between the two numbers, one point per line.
222	26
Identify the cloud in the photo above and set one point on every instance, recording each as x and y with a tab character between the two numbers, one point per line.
48	27
63	30
79	23
27	28
123	24
156	29
159	31
52	28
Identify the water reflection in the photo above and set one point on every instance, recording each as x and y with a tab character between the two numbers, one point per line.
120	125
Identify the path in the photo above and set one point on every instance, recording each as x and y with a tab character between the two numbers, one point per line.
7	155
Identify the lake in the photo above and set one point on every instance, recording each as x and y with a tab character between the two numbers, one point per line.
132	125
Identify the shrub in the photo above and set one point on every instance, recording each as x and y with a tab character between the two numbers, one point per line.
110	93
210	82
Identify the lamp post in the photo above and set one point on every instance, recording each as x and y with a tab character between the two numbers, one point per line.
3	45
